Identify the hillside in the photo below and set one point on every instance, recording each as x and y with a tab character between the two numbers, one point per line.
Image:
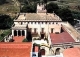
10	8
74	5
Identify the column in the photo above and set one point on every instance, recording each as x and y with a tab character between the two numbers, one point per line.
17	32
12	32
25	33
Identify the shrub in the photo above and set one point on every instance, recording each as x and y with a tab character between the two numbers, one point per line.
25	40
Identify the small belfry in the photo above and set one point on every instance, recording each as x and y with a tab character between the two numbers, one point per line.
41	8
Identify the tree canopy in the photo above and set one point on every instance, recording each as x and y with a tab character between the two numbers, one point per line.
5	21
2	2
66	15
52	7
29	8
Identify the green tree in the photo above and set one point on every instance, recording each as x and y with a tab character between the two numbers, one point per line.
5	21
66	15
29	8
2	2
52	7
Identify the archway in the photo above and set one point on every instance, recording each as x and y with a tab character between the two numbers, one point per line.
23	33
42	35
19	33
42	52
15	33
57	51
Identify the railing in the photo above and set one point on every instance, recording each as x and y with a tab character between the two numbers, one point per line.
65	44
69	32
73	28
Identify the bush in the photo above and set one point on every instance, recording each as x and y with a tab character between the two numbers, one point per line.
25	40
29	8
52	7
2	35
5	21
66	15
2	2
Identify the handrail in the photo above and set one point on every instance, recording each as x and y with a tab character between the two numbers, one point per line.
73	27
64	44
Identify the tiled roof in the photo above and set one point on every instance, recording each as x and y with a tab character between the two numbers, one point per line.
61	37
15	49
38	17
72	52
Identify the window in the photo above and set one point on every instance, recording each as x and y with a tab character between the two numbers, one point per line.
28	22
56	23
31	22
53	22
21	23
42	22
49	22
35	30
51	30
34	55
35	22
45	22
42	30
38	22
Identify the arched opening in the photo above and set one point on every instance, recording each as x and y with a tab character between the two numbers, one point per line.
15	33
57	51
42	35
42	52
23	33
19	33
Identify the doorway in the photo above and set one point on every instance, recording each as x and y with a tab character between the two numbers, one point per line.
15	33
42	35
57	51
42	51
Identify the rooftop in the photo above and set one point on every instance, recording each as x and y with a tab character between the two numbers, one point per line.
19	26
15	49
38	17
72	52
62	37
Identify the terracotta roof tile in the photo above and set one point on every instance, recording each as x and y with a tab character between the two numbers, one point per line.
72	52
15	49
61	37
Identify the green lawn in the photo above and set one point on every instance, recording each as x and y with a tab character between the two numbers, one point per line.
5	33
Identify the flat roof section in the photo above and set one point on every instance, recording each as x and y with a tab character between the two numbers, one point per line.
63	37
15	49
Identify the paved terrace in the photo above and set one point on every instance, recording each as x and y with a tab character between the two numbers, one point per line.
15	49
18	38
71	30
61	37
38	17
